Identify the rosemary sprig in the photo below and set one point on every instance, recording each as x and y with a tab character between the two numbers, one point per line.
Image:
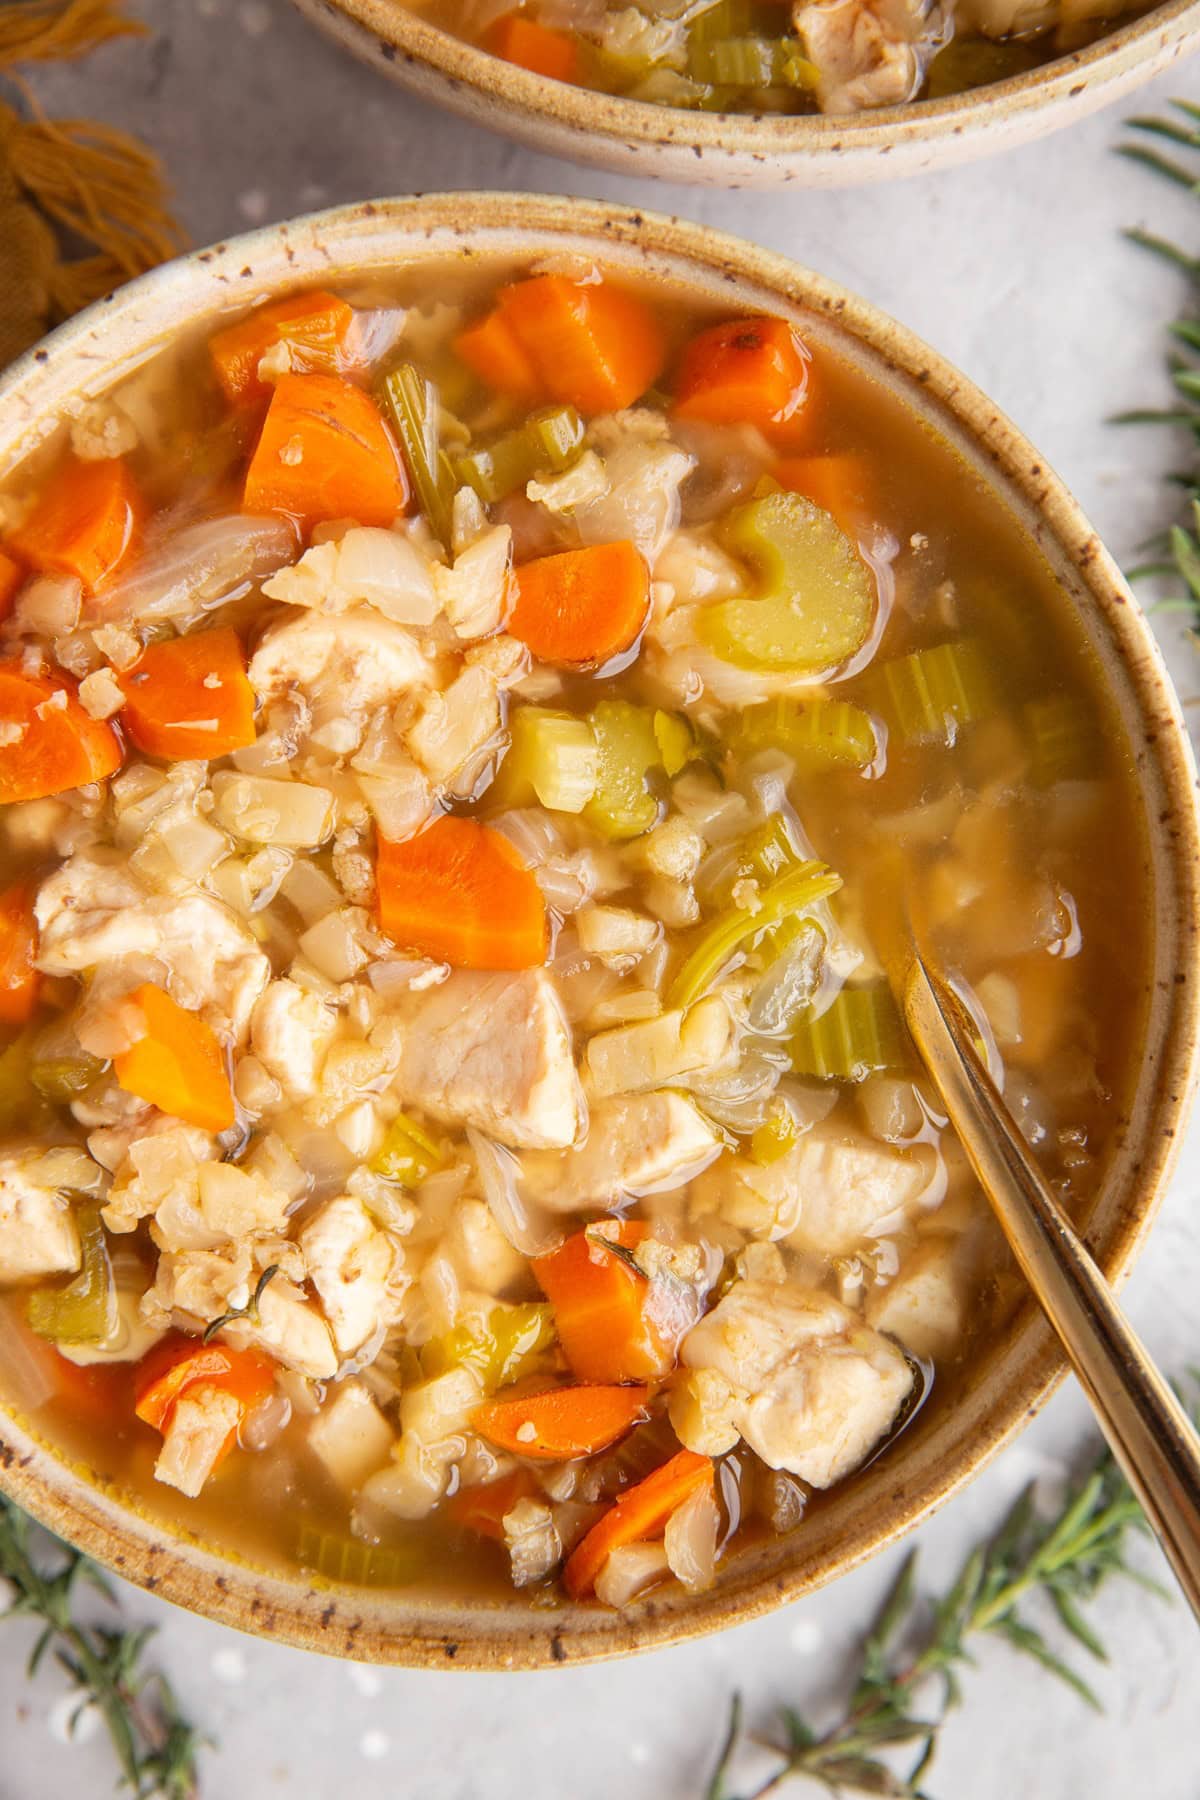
1175	554
910	1664
156	1748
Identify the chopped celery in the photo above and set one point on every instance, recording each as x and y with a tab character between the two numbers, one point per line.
413	407
63	1078
1063	741
627	751
782	898
972	62
774	1137
547	441
407	1154
749	62
824	734
84	1311
858	1035
551	757
733	19
932	693
676	741
816	598
341	1558
20	1102
501	1351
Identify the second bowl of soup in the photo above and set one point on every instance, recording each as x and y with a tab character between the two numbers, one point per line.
481	683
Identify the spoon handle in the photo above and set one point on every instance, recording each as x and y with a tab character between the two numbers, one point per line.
1147	1429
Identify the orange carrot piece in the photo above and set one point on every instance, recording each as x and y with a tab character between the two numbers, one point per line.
459	893
581	606
60	746
494	352
747	372
325	453
179	1065
189	697
600	1307
640	1513
314	326
562	1422
19	980
535	47
12	577
483	1509
179	1363
840	482
87	523
594	346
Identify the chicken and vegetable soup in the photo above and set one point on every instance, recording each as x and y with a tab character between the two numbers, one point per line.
462	766
764	56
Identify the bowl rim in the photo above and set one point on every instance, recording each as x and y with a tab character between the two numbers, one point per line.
422	54
85	356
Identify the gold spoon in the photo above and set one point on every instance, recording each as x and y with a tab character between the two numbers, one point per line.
1147	1429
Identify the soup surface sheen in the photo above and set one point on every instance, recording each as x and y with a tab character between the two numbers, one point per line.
761	56
464	766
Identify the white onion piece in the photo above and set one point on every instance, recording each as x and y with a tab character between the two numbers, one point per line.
532	835
788	985
200	566
372	333
26	1381
690	1541
629	1571
265	1423
397	974
528	1229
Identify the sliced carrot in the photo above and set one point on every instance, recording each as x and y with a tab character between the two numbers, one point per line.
87	523
179	1065
641	1513
314	327
594	346
19	980
494	352
325	453
54	744
179	1363
535	47
459	893
189	697
840	482
483	1509
747	372
581	606
562	1422
12	577
600	1306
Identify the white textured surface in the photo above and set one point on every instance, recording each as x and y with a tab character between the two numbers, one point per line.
1015	270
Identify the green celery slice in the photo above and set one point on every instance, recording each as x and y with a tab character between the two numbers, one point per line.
816	598
552	757
858	1035
63	1078
819	734
790	893
341	1558
1064	743
547	441
503	1350
749	62
931	694
627	752
774	1137
412	405
676	741
84	1311
408	1154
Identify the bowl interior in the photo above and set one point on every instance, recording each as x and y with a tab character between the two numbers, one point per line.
1005	1384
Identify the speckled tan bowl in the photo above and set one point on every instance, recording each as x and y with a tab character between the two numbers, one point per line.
945	1446
735	149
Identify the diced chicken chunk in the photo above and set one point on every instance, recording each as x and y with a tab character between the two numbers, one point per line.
38	1234
794	1373
358	657
350	1264
91	913
435	1419
925	1304
350	1436
493	1051
532	1541
383	569
291	1330
201	1426
483	1257
474	594
830	1190
290	1031
161	1163
635	1144
868	52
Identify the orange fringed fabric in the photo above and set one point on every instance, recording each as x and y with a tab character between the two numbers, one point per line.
83	206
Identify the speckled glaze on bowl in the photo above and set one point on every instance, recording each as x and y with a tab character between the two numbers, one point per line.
736	149
944	1447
